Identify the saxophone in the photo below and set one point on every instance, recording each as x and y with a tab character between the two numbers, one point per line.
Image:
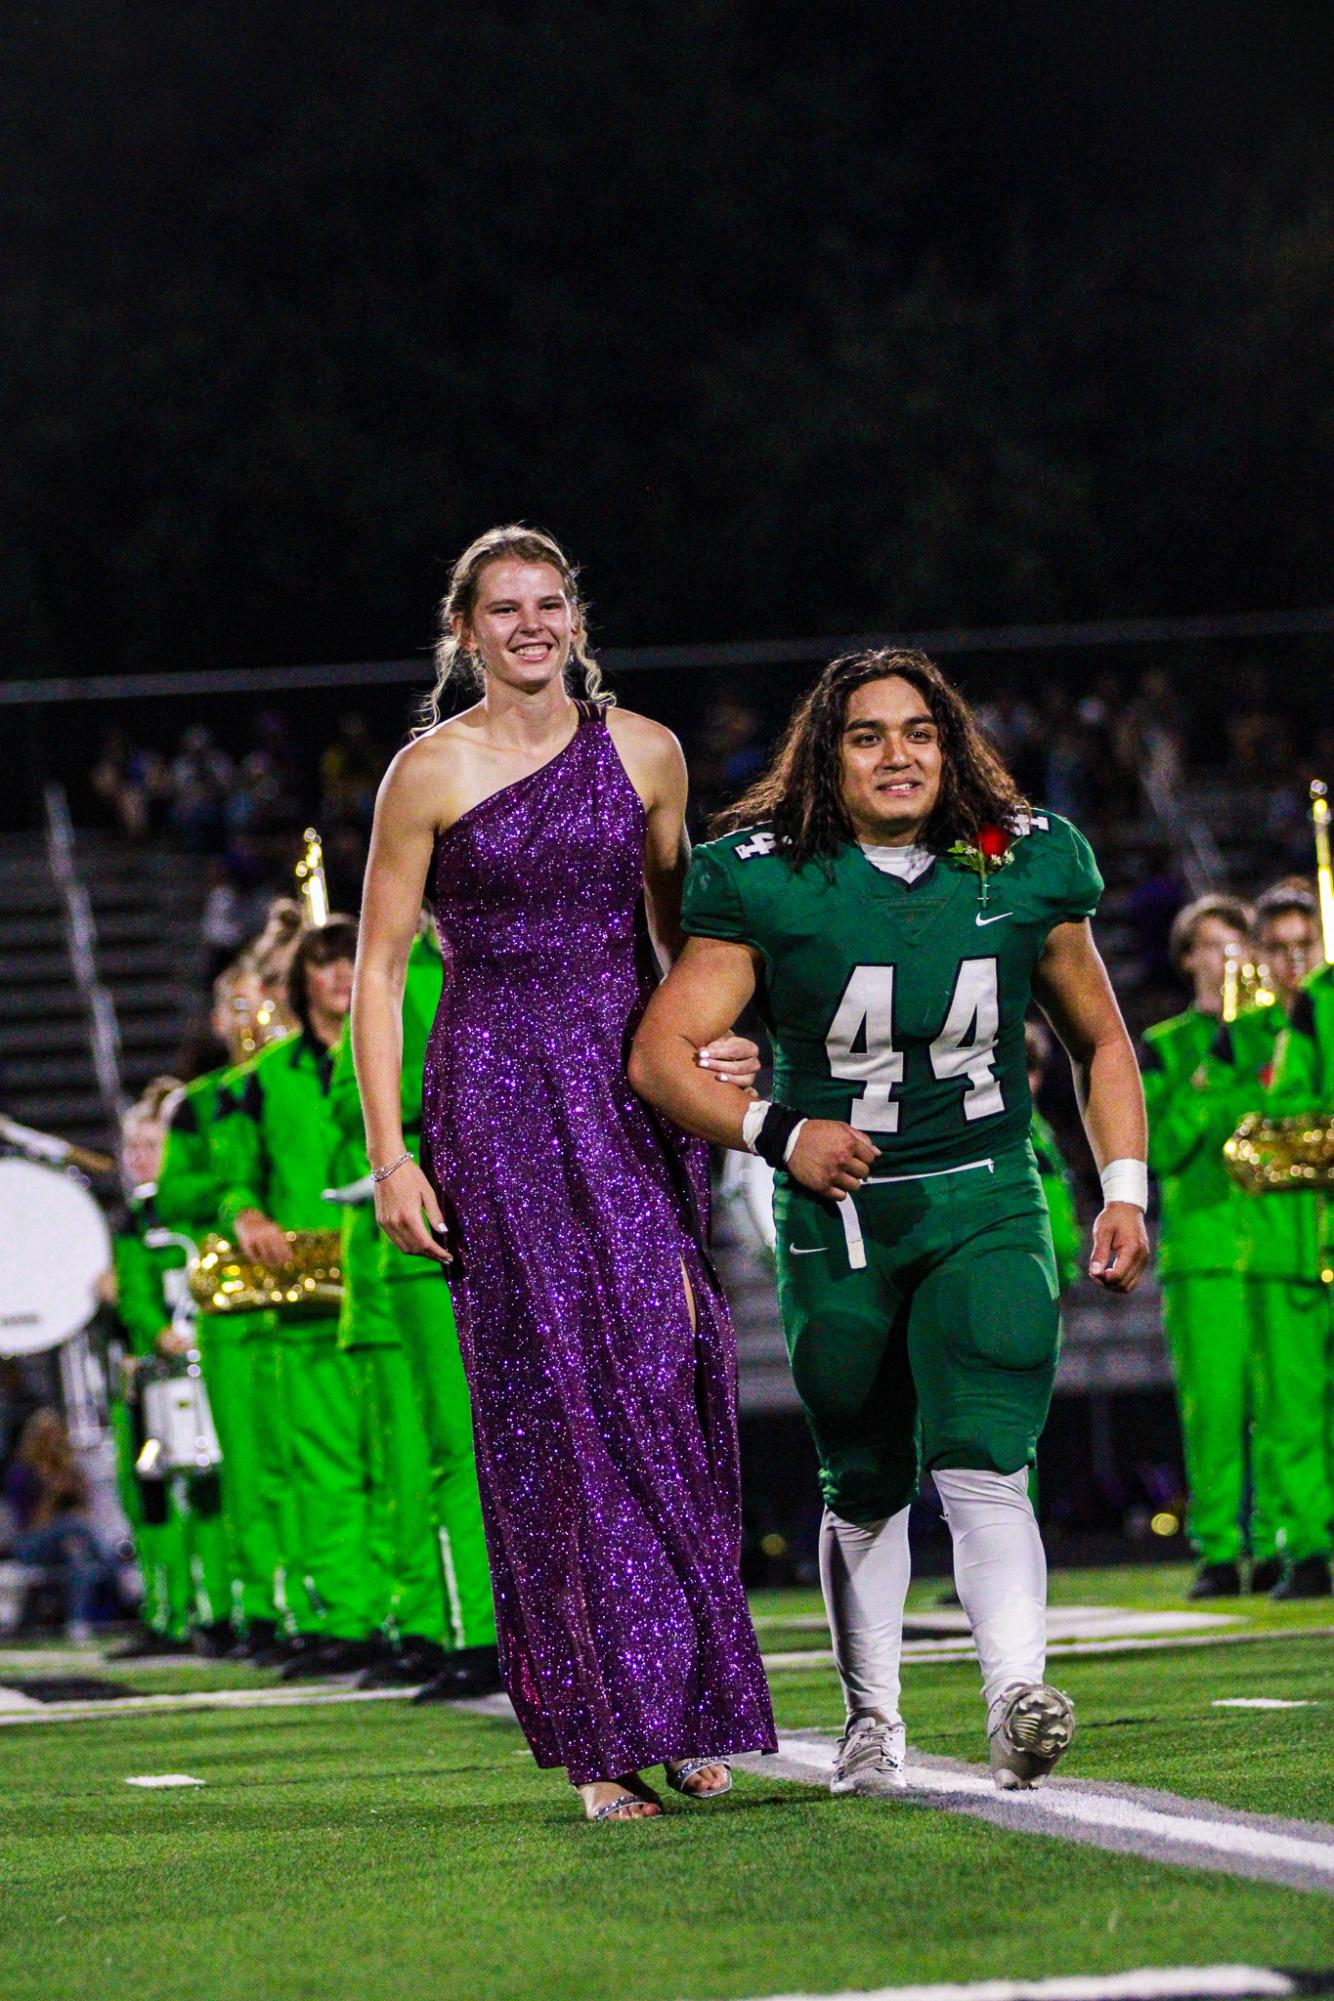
223	1280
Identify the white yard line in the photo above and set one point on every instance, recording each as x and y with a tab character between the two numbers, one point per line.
1190	1833
1151	1983
219	1698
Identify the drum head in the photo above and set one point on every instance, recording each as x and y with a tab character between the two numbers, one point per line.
54	1246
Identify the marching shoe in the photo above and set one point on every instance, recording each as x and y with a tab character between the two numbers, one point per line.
1216	1580
1265	1575
335	1657
413	1663
1308	1578
215	1642
1029	1727
257	1638
471	1671
286	1648
145	1646
871	1755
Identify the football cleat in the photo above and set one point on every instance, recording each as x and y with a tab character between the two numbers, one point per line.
871	1756
1032	1725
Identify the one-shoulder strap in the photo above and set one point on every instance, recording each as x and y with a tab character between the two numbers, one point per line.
591	712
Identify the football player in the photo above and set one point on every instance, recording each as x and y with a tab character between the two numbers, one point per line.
893	906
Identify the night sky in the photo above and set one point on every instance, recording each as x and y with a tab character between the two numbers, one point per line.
786	320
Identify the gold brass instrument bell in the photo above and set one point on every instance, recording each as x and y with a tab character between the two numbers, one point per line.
1324	873
225	1281
311	880
1245	983
1270	1156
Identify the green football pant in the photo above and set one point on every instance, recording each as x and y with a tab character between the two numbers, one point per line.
1290	1330
945	1341
1208	1332
330	1478
237	1383
425	1317
402	1527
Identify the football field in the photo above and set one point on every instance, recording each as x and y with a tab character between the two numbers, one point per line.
347	1846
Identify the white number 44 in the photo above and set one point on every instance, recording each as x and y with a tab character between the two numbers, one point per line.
860	1044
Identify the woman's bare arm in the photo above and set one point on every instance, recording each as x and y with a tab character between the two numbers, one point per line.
400	855
1072	988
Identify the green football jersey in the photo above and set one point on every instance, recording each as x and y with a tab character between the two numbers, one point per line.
898	1007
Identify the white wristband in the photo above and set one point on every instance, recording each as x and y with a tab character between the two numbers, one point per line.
1126	1181
754	1118
793	1137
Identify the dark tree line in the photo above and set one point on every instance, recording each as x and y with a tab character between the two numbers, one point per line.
785	320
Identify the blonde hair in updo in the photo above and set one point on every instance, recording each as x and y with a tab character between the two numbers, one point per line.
456	667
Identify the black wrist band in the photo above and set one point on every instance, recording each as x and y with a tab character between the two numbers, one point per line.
780	1122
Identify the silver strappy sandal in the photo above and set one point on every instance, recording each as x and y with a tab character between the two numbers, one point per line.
688	1767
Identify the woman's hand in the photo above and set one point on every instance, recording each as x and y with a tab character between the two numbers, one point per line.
399	1201
732	1060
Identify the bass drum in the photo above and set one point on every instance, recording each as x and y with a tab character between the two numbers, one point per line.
54	1247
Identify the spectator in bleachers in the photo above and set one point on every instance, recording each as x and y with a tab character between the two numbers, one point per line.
200	778
132	782
47	1495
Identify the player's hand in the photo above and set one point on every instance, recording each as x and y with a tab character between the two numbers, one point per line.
1120	1247
261	1239
169	1342
400	1200
731	1059
830	1158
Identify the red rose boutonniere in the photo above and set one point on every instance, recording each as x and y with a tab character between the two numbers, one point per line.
992	849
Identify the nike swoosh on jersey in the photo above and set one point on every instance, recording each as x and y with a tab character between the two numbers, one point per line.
806	1250
999	918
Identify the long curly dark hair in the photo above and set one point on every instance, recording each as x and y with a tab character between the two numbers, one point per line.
800	796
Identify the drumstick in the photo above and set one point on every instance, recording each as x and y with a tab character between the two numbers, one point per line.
59	1151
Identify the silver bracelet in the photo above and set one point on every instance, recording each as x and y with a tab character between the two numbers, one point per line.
379	1174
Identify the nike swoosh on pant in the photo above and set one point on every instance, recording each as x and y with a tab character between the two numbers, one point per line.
806	1250
999	918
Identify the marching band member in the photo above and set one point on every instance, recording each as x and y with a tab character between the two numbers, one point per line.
178	1518
275	1145
1191	1112
1280	1257
237	1350
419	1300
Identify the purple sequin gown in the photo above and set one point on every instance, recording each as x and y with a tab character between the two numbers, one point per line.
605	1426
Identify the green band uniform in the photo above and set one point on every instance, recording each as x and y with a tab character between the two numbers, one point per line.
927	1304
1303	1082
178	1522
1192	1107
274	1145
238	1369
449	1601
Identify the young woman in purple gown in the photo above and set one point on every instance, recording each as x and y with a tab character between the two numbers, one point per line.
546	825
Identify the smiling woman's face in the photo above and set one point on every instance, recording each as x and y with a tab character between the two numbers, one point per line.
891	762
522	625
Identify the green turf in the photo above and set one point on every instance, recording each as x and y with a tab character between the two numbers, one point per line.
376	1851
